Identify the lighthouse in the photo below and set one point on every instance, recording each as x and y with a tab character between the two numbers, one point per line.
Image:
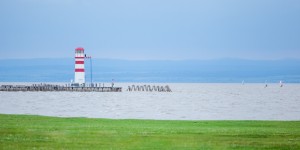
79	66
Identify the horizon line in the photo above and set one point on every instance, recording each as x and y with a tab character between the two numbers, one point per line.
124	59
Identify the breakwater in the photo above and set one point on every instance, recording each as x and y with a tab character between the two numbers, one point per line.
149	88
51	87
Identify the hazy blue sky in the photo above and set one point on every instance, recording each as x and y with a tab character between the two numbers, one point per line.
151	29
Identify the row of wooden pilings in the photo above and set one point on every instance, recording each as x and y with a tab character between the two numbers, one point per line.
149	88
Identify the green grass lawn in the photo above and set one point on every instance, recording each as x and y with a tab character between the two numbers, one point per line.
36	132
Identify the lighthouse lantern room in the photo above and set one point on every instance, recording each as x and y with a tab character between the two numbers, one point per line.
79	66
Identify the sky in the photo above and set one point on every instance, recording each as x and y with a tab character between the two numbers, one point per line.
151	29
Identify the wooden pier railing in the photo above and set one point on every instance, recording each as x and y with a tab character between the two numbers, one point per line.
49	87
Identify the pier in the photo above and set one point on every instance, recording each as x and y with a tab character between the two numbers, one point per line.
51	87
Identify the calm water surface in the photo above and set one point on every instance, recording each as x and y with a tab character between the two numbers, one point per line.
188	101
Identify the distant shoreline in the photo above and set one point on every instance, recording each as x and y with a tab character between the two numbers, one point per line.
29	82
158	71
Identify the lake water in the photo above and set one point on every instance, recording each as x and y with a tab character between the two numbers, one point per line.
188	101
152	71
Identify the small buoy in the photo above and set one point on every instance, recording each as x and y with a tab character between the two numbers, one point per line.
281	84
266	85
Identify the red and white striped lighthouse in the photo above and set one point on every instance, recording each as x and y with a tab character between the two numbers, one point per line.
79	66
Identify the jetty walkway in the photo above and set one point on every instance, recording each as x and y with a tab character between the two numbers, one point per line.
50	87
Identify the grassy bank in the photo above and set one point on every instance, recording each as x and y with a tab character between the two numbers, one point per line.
28	132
